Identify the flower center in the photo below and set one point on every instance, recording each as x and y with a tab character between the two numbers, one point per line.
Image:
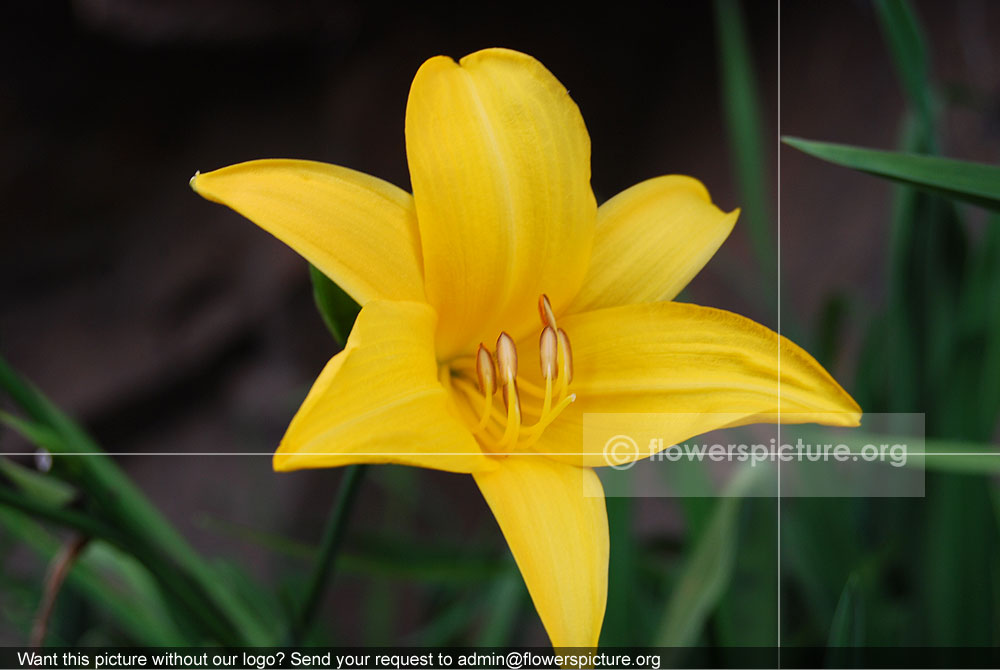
504	429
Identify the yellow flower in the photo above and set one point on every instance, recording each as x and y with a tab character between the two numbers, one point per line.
502	242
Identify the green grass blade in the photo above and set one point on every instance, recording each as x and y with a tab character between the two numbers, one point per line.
129	598
37	485
908	49
976	183
502	609
619	628
741	102
333	537
959	457
959	554
703	580
846	629
747	614
707	571
132	515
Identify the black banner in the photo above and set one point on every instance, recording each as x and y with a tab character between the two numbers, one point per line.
500	658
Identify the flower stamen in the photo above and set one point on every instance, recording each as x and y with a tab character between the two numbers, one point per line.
486	373
498	372
548	350
545	311
507	363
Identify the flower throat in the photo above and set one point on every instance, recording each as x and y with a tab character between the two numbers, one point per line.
504	430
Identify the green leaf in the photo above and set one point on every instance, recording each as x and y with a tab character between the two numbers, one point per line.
138	524
741	102
907	46
37	485
336	307
820	546
959	553
708	569
976	183
958	457
333	537
747	614
830	329
619	629
112	581
846	629
502	609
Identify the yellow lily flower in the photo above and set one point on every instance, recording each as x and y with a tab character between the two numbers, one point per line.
502	241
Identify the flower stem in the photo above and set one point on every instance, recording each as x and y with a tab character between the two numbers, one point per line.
333	536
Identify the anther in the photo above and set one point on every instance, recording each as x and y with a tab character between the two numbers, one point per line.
548	347
567	355
507	364
487	374
545	311
506	359
486	371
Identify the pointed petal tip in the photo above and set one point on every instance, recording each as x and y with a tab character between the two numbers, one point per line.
281	462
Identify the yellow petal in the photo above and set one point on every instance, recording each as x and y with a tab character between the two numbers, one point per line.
359	230
691	370
380	401
555	521
500	165
651	240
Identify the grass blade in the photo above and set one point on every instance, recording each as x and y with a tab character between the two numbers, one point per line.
333	537
976	183
130	599
908	49
134	518
708	569
741	102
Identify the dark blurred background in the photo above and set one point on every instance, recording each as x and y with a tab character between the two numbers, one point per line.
169	324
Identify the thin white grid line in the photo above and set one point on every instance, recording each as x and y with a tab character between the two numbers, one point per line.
778	216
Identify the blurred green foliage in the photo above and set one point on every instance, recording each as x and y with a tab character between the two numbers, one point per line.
854	572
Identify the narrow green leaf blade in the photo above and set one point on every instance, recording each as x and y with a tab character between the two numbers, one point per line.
37	485
846	629
708	569
336	307
741	103
130	597
908	49
976	183
128	510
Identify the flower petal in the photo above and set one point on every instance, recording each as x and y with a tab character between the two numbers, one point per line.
380	401
555	521
690	370
359	230
651	240
500	165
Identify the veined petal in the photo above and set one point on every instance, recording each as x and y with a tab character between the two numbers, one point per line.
380	401
500	165
650	241
555	521
690	370
359	230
